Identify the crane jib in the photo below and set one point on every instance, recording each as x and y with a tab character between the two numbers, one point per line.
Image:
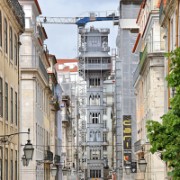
83	21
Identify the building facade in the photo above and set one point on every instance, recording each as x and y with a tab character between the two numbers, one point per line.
37	93
55	118
125	109
149	84
95	67
169	19
11	27
68	77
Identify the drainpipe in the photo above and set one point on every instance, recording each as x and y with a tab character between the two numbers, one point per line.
169	30
177	24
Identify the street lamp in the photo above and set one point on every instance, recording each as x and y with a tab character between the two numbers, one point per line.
133	168
28	148
128	169
142	164
54	170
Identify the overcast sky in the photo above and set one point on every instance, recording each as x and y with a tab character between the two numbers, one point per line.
62	39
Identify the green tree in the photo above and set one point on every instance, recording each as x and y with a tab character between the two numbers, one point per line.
165	136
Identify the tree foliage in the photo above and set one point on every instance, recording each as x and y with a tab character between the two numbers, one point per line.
165	136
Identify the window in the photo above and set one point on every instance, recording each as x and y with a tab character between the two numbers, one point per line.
5	36
15	50
105	124
12	165
11	43
12	105
6	101
95	118
104	137
1	97
104	148
16	170
16	108
105	111
1	168
6	164
0	29
95	173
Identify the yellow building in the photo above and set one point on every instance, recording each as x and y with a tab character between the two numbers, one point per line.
169	20
11	26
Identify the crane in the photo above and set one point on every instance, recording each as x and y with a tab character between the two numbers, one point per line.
79	21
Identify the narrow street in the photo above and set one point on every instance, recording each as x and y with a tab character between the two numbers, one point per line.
88	93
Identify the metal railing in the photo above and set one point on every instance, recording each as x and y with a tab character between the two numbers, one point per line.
98	66
33	62
48	156
57	159
151	47
18	11
94	49
142	56
95	161
156	46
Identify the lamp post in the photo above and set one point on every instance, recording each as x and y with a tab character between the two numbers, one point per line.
28	148
141	163
53	170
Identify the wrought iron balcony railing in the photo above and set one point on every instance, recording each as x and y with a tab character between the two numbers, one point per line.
57	159
48	156
151	47
18	11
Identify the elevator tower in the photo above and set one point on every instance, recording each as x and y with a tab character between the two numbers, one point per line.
94	66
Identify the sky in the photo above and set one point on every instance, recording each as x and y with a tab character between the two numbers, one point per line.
63	39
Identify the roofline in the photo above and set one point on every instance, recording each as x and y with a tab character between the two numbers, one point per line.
38	6
136	43
141	7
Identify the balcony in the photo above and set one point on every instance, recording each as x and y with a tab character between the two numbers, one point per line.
94	126
94	49
30	62
156	47
102	30
83	49
95	107
18	11
151	48
95	89
105	129
105	143
98	67
95	161
83	143
48	156
57	159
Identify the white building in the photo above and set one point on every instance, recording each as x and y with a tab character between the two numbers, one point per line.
149	84
36	94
